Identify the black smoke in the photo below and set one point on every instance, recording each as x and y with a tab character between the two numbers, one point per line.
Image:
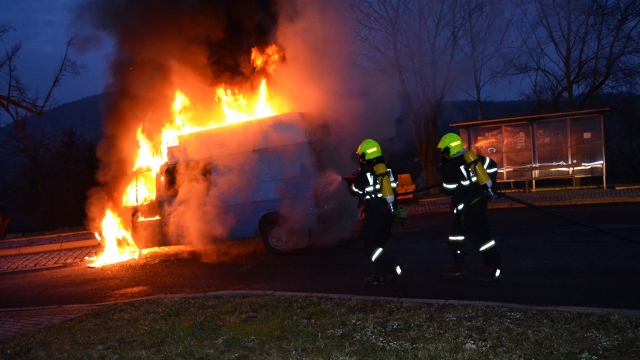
144	29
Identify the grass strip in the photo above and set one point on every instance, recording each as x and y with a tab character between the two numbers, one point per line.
277	327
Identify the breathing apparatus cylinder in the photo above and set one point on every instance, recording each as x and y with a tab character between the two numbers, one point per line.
385	183
478	169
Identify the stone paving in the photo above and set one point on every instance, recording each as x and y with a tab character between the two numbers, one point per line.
47	242
47	259
15	321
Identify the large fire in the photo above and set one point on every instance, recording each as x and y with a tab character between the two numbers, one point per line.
114	235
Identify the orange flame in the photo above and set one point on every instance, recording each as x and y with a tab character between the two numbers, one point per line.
119	245
268	59
118	242
237	109
141	190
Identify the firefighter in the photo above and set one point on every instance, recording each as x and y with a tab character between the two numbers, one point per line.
374	185
469	180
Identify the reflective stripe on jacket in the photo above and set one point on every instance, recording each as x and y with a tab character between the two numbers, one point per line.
366	184
459	182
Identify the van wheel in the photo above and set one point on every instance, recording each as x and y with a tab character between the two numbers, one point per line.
273	234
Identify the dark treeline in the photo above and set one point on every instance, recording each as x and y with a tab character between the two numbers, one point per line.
44	187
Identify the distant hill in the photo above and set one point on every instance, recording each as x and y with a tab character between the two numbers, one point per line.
84	116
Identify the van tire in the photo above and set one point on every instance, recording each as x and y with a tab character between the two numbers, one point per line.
273	234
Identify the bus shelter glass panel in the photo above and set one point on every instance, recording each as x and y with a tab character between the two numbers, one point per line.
464	134
487	141
587	154
517	150
552	148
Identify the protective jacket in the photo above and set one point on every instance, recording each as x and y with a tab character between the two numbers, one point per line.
366	185
459	182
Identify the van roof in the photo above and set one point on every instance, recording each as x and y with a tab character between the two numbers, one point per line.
279	130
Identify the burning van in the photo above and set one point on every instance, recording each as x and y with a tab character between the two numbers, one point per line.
258	178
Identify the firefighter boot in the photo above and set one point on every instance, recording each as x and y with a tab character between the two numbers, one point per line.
458	267
374	280
397	271
491	274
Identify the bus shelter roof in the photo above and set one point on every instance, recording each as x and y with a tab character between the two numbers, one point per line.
532	118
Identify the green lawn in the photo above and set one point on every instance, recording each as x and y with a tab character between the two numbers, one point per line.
289	327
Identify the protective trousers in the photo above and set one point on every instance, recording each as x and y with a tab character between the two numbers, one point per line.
473	225
374	234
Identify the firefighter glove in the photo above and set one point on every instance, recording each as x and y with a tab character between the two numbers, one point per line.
488	192
401	216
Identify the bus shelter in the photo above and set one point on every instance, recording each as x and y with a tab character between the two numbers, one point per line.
566	145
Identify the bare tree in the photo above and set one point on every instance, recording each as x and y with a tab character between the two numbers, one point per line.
575	49
419	42
487	34
16	99
33	167
622	156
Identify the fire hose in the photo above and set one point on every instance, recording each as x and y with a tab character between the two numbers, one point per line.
526	203
514	199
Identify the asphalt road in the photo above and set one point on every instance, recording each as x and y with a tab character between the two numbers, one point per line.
548	261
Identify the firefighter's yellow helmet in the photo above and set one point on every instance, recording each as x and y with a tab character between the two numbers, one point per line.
369	149
450	144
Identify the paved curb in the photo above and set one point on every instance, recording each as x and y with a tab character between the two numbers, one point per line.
16	321
233	293
49	247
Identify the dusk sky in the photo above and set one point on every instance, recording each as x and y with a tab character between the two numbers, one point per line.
43	28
